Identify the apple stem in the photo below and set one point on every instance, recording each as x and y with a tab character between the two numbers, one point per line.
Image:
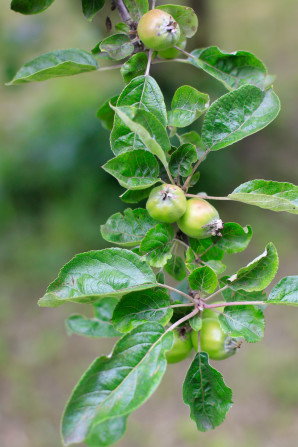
149	63
172	289
183	320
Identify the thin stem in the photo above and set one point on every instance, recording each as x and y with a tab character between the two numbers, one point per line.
182	243
172	289
113	67
183	320
186	53
215	293
110	67
169	175
207	197
185	186
149	63
153	4
123	11
181	305
235	303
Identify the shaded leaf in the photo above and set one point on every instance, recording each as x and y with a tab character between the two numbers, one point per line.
242	295
157	245
115	386
194	138
188	104
118	46
175	267
137	8
91	7
30	6
148	128
206	250
182	160
203	279
106	114
206	393
243	321
144	93
135	196
234	238
138	307
100	325
135	66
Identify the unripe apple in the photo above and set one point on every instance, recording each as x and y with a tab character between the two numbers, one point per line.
166	203
158	30
200	220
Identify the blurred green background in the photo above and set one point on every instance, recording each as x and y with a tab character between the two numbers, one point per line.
54	196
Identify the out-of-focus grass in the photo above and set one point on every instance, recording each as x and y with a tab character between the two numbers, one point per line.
54	196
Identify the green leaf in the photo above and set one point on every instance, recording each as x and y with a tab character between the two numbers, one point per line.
205	250
237	115
196	323
183	286
100	326
148	128
135	196
157	245
55	64
135	66
134	170
175	267
107	432
118	46
234	238
182	160
203	280
206	393
185	16
136	8
258	274
115	386
96	274
242	295
91	7
122	28
30	6
144	93
285	292
106	114
217	266
129	229
138	307
96	51
243	321
194	138
274	196
188	104
232	69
